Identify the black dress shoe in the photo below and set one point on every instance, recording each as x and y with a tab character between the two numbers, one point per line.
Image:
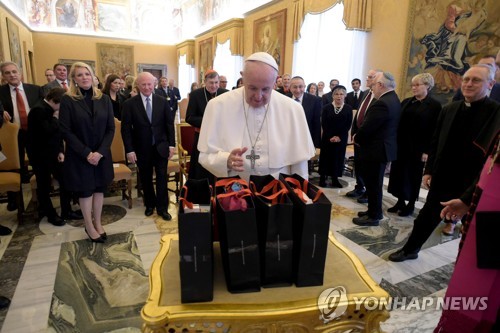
4	231
4	302
363	198
149	211
73	215
56	220
366	221
94	240
165	215
400	256
356	193
395	208
407	211
12	206
361	214
336	184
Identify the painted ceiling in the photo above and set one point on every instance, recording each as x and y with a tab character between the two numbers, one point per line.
159	21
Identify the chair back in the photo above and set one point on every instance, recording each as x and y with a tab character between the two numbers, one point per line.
8	140
117	146
183	104
185	138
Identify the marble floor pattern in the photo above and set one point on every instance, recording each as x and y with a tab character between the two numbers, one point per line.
60	282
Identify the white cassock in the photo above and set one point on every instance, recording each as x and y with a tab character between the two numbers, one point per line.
284	144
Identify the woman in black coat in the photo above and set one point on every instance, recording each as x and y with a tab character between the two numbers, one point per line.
419	116
87	124
336	121
112	89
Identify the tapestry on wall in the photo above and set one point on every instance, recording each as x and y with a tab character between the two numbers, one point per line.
446	37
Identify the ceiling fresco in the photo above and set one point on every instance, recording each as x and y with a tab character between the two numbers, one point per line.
159	21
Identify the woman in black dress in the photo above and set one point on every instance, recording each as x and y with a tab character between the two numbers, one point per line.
87	126
418	120
112	89
336	121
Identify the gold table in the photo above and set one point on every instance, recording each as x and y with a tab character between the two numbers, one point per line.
274	310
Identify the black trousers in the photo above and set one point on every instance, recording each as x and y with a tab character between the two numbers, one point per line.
44	170
146	166
373	175
360	184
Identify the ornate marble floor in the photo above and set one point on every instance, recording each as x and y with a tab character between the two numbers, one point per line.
60	282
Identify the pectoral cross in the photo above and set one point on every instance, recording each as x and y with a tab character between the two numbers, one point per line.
252	157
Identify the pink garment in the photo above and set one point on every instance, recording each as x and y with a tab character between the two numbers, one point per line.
467	279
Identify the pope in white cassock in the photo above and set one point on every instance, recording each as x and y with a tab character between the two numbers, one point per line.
255	130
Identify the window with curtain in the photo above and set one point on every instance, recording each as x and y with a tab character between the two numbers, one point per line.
326	50
227	64
187	76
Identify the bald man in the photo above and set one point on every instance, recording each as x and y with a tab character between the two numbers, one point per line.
148	136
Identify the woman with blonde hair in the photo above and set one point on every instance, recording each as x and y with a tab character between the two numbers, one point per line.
419	116
87	124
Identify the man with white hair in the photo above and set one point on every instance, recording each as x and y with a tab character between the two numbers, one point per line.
255	130
376	139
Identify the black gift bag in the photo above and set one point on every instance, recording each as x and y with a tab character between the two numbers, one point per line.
274	211
195	242
487	230
237	235
311	224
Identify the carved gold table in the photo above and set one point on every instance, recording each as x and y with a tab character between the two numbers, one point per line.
273	310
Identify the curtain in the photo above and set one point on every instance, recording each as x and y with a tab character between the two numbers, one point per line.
321	55
187	75
227	64
358	14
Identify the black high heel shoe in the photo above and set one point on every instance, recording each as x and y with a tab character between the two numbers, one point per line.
94	240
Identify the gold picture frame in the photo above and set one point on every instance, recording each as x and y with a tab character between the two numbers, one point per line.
269	36
115	59
15	44
206	56
445	39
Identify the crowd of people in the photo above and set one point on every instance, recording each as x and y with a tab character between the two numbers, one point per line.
267	124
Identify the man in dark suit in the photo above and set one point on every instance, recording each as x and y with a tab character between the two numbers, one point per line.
376	139
61	80
26	95
312	108
354	97
328	97
494	92
366	99
463	133
46	154
170	92
148	136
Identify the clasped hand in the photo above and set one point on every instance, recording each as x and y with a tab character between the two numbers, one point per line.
94	158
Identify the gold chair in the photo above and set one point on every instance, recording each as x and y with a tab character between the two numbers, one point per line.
123	175
183	104
10	169
185	142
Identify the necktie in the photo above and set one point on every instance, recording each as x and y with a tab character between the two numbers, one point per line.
356	96
149	112
21	109
362	110
149	109
64	85
297	100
